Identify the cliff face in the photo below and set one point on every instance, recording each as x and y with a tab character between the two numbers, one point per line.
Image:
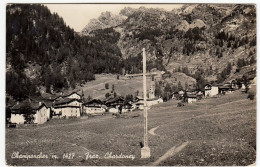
105	20
197	36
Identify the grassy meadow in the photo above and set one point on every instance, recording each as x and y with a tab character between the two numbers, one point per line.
123	86
219	131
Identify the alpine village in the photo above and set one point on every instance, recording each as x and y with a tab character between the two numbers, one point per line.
86	88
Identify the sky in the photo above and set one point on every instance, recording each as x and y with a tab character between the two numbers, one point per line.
77	16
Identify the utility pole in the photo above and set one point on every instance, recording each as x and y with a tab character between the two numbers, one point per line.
145	151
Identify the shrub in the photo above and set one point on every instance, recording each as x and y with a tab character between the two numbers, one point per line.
107	95
251	96
180	104
107	86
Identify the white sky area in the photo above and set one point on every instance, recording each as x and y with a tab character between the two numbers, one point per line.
77	16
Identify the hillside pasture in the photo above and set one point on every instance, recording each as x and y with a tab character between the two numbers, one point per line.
123	86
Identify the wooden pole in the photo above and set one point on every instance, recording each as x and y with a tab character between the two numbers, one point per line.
145	151
145	104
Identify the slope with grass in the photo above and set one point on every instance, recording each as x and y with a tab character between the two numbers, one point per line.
122	86
213	131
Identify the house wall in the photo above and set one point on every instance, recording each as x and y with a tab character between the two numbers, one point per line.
207	92
211	92
243	86
214	90
57	110
74	103
41	115
140	106
70	112
124	110
17	118
191	100
113	110
93	110
48	113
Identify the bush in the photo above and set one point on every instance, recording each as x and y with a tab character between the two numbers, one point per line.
251	96
107	95
180	104
107	86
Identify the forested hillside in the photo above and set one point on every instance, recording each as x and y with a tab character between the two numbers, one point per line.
42	51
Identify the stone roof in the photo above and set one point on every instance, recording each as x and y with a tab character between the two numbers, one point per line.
115	99
65	101
32	104
93	101
49	96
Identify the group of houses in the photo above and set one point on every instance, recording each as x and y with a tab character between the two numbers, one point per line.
73	105
38	110
212	90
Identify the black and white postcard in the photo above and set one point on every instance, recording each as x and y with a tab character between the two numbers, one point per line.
121	84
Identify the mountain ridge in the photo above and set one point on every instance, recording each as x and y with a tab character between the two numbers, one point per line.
199	36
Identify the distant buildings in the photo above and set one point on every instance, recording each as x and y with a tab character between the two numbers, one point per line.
191	98
151	94
211	90
127	107
94	106
38	110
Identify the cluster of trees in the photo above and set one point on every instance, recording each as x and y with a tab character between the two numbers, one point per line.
243	62
18	84
129	97
191	37
232	41
134	65
195	34
148	33
225	73
167	91
199	75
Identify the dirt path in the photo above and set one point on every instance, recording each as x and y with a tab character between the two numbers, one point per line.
171	152
151	131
